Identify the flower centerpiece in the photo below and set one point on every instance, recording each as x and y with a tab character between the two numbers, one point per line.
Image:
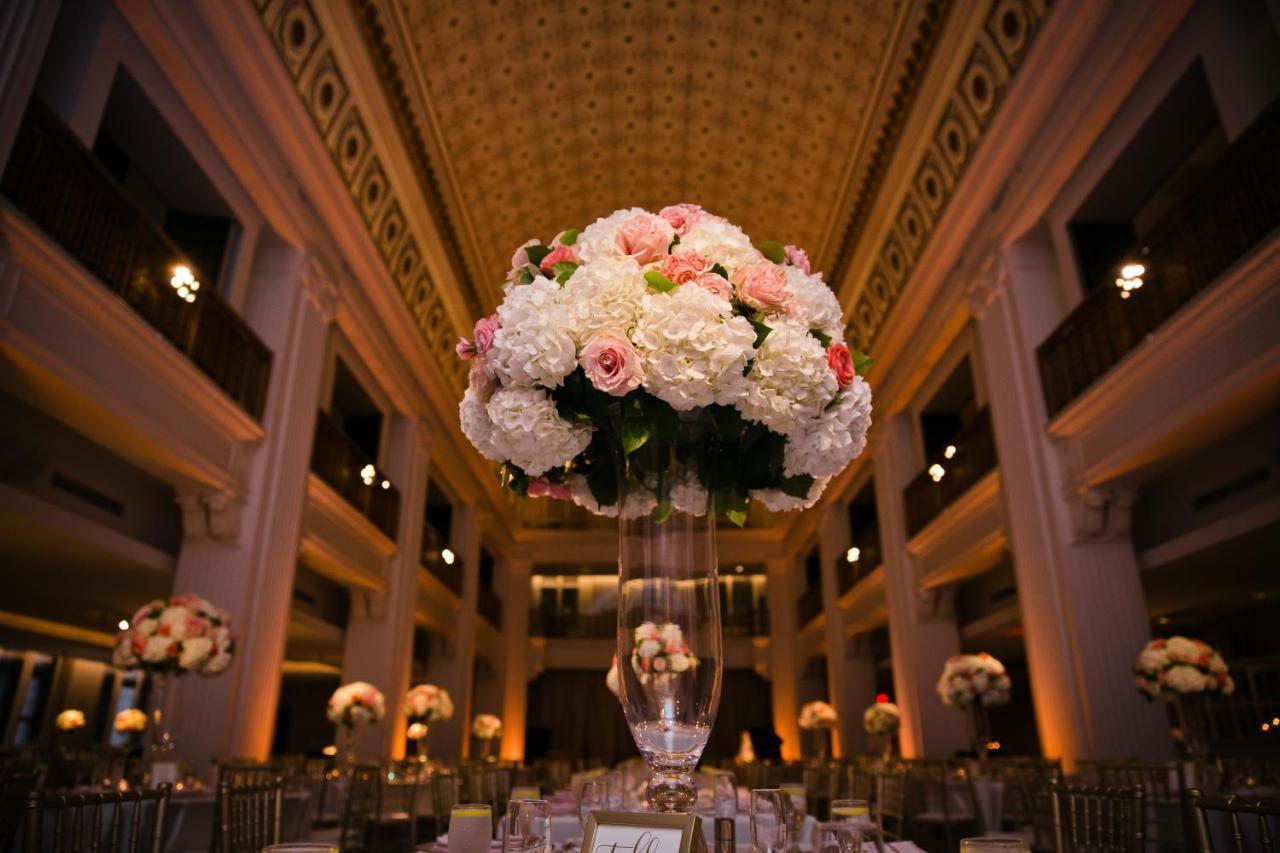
883	719
974	683
819	718
1186	672
660	652
355	704
70	720
423	705
130	720
171	637
486	727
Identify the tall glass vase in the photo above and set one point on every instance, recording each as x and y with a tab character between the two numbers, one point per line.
669	645
1192	713
160	743
980	732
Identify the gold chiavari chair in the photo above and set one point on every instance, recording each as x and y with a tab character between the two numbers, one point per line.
249	815
859	783
111	822
1164	798
445	790
941	801
1257	834
1091	819
890	805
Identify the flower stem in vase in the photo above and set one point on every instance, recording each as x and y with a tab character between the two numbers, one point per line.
1191	718
160	742
420	747
980	731
346	748
886	749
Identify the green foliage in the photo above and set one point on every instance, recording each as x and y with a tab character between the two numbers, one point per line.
823	337
536	254
772	250
861	362
563	270
659	282
569	237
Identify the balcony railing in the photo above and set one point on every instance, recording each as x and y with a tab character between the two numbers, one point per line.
975	454
338	460
53	179
737	623
432	548
1237	206
808	606
489	606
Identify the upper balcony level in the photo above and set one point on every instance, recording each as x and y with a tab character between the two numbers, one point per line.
950	472
340	462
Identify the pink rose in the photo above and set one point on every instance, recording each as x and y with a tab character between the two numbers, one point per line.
465	349
556	255
763	286
717	284
797	258
479	380
485	328
611	363
841	362
682	217
644	237
544	488
685	268
520	260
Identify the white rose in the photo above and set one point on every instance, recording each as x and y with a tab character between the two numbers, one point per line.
157	649
1183	649
679	662
649	648
528	430
1185	679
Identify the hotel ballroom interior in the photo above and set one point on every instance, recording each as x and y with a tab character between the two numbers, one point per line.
872	444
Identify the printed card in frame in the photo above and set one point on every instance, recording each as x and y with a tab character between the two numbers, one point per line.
634	832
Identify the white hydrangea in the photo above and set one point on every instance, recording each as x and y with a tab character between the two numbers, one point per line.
1185	679
826	444
693	349
813	305
688	495
476	425
598	241
776	500
529	431
534	346
604	294
790	381
720	241
637	503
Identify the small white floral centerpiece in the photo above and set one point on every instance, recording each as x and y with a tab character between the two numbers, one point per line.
427	704
818	715
356	704
882	718
130	720
486	726
660	650
182	634
973	679
70	720
1180	666
619	335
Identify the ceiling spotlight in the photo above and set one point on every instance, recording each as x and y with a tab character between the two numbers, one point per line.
123	625
448	557
852	555
936	472
949	452
1130	278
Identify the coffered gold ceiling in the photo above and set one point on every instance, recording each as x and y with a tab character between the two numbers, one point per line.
544	114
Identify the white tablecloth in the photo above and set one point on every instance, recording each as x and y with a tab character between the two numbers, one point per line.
191	821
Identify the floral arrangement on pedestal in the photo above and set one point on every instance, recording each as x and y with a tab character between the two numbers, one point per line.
883	719
486	727
172	637
819	718
660	651
70	720
611	678
1186	672
616	336
974	683
358	703
425	704
130	720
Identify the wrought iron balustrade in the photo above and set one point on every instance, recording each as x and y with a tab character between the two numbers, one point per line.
925	498
339	461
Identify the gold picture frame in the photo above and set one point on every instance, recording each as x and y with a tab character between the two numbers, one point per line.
638	832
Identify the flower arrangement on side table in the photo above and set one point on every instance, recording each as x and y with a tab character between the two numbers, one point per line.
486	727
883	719
425	704
1186	672
974	683
820	718
358	703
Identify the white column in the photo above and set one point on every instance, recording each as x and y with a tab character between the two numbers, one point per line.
25	27
851	681
515	658
454	670
379	641
784	662
240	551
1084	613
922	631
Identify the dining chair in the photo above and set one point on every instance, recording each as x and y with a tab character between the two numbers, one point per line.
445	790
239	774
111	821
1094	819
249	814
859	783
1265	826
890	805
15	787
941	801
1164	799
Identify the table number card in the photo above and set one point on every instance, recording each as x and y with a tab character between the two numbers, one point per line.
631	832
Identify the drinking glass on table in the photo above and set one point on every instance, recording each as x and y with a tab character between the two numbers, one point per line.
527	828
615	788
594	798
795	807
994	845
850	819
768	820
470	828
725	793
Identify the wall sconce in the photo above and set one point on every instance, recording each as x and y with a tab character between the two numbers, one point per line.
936	472
447	556
184	282
852	555
949	452
368	473
1130	278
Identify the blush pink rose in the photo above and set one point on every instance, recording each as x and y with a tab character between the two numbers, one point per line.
797	258
682	217
685	268
558	254
465	349
485	329
644	237
520	260
544	488
717	284
840	360
763	286
611	363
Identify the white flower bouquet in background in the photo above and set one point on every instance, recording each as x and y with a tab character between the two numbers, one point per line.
816	716
973	679
611	678
428	704
182	634
617	336
70	720
882	718
660	650
1181	666
486	726
130	720
356	704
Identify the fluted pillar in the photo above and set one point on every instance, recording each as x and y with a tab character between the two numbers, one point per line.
515	662
379	641
240	551
454	669
784	659
922	629
851	673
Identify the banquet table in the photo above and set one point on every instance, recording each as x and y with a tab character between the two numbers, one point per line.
192	820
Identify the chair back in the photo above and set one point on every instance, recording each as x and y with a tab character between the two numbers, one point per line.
249	815
859	783
1257	832
361	804
111	821
1093	819
890	807
445	790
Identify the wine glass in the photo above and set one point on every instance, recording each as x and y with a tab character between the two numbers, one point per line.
470	828
726	795
849	818
994	845
795	808
768	820
527	828
594	798
614	788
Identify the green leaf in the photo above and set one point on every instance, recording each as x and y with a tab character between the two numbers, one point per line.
663	512
662	417
569	237
772	250
635	432
603	482
737	516
861	362
727	420
762	331
536	254
823	337
720	271
733	504
797	486
563	270
513	478
659	282
763	455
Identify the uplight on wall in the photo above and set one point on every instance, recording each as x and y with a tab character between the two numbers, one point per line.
936	472
447	556
184	282
852	555
1130	278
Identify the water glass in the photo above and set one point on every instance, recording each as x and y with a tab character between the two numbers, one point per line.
850	811
768	820
994	845
527	828
795	808
594	798
614	786
726	795
470	828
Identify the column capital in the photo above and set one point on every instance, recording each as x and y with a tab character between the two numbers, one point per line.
210	514
321	292
987	284
1100	512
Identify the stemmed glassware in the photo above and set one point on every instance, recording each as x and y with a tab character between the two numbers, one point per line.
594	798
768	821
527	828
726	795
795	808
